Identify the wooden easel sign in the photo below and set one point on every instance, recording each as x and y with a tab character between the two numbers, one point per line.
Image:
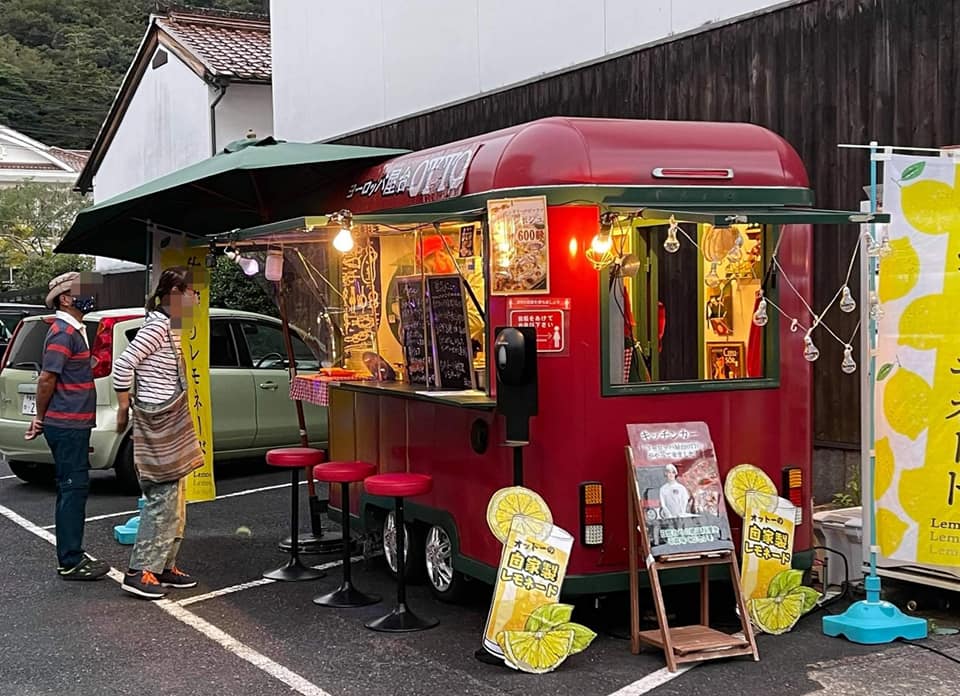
677	519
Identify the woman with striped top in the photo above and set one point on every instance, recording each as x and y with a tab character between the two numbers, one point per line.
165	446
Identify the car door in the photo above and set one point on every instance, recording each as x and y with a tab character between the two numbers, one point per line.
276	414
232	390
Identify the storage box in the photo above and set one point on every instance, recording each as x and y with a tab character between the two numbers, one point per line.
842	531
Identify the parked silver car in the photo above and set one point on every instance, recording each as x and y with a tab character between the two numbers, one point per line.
249	384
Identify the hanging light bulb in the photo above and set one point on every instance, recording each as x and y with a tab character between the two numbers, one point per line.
760	316
873	249
885	249
343	242
671	244
712	278
794	326
876	311
248	265
847	303
736	251
848	365
810	351
602	242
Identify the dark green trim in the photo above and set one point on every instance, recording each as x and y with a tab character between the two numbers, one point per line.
720	217
771	351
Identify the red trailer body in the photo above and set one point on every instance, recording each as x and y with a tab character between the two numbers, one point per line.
687	169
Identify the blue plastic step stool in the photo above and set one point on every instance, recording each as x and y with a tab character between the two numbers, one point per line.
126	533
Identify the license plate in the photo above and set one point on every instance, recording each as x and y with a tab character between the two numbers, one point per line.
29	404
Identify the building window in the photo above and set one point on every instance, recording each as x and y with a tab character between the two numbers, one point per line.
683	321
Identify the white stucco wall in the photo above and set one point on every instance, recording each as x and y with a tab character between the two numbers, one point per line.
343	65
244	108
167	126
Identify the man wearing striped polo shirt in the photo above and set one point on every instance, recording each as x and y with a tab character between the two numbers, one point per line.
66	413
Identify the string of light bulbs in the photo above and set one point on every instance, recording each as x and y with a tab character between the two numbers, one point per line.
847	302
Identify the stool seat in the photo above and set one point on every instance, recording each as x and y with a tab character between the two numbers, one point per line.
295	457
343	472
399	485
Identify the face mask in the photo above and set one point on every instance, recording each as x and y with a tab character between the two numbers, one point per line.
85	305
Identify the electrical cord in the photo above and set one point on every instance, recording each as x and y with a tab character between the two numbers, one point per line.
917	644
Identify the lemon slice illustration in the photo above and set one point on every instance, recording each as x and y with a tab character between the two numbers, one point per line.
776	615
747	481
517	500
536	652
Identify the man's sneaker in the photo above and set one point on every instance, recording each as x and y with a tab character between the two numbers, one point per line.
87	569
143	583
176	578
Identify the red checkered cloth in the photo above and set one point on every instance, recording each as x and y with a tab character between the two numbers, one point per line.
627	361
312	389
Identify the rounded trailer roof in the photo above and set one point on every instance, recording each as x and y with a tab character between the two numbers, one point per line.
562	151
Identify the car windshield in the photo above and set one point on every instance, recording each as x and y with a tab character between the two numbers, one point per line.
26	351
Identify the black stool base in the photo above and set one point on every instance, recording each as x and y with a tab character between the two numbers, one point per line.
330	542
401	620
346	597
294	571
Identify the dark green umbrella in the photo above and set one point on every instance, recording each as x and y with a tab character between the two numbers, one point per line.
252	182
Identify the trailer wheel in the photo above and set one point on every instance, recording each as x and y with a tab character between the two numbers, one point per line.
447	584
412	544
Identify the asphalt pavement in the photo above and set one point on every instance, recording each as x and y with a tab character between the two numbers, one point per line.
237	634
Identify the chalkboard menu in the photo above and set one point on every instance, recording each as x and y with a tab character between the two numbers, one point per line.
416	351
452	351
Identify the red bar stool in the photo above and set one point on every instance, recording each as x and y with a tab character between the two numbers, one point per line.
346	596
400	486
295	459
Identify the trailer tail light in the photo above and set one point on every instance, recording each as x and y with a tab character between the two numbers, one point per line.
792	489
692	173
591	513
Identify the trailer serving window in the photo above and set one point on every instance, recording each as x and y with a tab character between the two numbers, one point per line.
677	313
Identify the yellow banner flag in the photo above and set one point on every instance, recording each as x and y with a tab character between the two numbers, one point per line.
195	343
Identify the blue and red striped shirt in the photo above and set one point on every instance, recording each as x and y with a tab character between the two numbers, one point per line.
74	401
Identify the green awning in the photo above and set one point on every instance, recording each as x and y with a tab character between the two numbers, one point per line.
249	183
287	231
720	216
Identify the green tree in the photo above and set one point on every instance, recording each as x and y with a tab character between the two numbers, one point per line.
33	219
37	271
230	288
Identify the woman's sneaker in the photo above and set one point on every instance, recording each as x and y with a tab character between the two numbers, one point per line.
144	584
176	578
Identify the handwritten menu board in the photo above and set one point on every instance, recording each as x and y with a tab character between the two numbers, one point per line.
679	486
416	351
452	349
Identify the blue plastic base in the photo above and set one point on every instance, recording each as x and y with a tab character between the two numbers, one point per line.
873	623
126	534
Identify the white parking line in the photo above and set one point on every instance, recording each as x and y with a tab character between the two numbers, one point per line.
4	478
296	682
253	583
125	513
652	681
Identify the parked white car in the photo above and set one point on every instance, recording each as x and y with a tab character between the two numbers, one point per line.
249	384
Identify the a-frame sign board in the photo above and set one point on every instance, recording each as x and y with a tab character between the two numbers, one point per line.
682	644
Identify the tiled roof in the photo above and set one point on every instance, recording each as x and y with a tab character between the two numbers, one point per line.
75	159
227	46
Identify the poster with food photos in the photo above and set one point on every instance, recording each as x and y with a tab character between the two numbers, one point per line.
519	249
679	487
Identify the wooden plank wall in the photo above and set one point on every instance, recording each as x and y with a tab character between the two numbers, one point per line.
819	73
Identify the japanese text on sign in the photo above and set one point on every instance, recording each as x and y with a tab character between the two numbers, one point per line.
549	316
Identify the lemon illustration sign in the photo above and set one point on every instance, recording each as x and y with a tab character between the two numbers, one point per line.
195	343
917	409
527	626
767	545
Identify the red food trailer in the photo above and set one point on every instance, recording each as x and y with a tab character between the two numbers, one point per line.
642	273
